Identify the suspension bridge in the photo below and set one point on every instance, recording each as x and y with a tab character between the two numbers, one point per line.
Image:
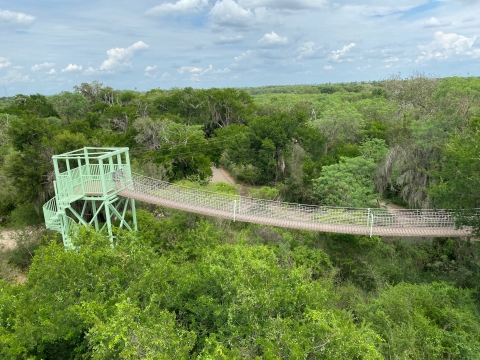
95	186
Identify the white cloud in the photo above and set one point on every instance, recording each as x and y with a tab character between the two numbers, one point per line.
273	40
221	72
91	71
150	71
4	63
383	8
72	68
308	50
118	59
165	75
194	71
45	65
391	59
14	76
337	55
16	17
243	55
51	72
434	22
150	68
284	4
361	68
445	46
229	40
190	69
181	6
328	67
227	13
468	19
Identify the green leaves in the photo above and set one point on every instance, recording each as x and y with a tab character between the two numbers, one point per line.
339	122
130	333
348	183
425	322
70	106
185	289
458	185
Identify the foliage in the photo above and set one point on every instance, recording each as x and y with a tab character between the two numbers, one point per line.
70	106
24	215
425	322
458	186
26	241
340	121
186	291
130	333
374	149
33	105
265	192
185	286
8	197
348	183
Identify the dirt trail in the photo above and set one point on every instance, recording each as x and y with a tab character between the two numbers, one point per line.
220	175
6	238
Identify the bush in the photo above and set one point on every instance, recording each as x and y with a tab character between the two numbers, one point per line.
24	215
426	321
27	241
266	192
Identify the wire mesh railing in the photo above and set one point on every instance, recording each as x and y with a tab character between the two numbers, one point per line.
246	208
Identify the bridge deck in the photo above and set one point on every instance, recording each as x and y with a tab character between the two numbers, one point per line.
402	226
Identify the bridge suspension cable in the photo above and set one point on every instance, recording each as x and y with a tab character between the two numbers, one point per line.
95	186
361	221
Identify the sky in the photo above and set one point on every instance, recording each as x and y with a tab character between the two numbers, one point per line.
50	46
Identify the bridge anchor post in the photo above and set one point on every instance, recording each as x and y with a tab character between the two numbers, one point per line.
370	221
234	209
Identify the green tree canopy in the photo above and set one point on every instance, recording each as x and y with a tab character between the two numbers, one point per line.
348	183
458	180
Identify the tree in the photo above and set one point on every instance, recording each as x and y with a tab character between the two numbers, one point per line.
149	131
228	106
30	164
459	97
131	333
425	321
340	121
66	141
8	195
37	105
257	152
181	149
416	139
91	91
70	106
120	117
458	179
5	120
348	183
414	92
374	149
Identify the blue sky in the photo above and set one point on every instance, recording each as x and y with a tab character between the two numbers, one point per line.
49	46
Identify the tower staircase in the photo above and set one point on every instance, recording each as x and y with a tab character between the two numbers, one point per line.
86	185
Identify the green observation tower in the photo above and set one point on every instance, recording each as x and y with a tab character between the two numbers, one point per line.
86	187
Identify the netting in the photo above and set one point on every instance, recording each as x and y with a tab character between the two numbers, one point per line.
373	221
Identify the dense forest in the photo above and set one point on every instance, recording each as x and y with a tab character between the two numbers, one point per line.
191	287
